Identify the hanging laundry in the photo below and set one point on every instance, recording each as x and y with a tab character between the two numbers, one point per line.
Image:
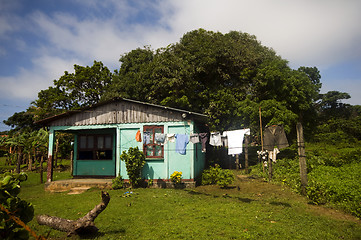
235	140
170	137
273	154
194	138
138	136
203	137
215	139
224	139
181	143
146	137
159	137
274	136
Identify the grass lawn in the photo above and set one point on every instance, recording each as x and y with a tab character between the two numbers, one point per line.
253	209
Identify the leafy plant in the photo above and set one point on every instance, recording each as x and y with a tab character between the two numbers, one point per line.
134	161
217	175
118	182
9	200
176	177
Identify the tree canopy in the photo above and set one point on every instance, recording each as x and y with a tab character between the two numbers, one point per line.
82	88
225	76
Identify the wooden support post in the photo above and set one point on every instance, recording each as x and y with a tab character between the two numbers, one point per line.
270	170
237	161
71	162
56	152
260	126
302	157
246	137
49	173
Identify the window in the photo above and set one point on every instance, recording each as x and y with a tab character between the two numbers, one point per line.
95	147
152	148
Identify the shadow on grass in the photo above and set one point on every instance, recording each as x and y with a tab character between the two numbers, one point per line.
245	200
101	234
280	204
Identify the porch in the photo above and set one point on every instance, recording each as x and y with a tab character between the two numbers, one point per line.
79	185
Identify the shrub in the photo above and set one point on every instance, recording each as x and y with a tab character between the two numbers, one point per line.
217	175
9	190
134	161
176	177
118	182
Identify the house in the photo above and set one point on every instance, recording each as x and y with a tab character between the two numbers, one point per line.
103	131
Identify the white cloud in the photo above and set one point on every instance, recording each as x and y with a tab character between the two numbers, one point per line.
27	83
311	33
304	32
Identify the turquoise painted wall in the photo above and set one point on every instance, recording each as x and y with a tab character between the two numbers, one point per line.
190	164
178	162
95	167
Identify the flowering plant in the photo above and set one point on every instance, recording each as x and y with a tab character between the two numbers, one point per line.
176	177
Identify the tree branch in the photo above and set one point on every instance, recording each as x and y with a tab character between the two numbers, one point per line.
84	225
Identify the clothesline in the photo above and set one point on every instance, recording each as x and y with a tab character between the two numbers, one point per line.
231	139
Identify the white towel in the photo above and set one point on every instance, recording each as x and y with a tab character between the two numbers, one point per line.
235	140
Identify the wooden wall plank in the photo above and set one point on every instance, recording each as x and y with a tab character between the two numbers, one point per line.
122	112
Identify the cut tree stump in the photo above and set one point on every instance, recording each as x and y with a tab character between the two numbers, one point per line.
83	226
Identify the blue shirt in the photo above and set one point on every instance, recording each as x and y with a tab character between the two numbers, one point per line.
181	143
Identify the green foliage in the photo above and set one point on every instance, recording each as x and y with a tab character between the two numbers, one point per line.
134	161
9	190
21	120
118	183
217	74
333	176
338	185
217	175
176	177
82	88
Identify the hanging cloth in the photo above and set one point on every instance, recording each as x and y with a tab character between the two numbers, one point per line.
235	140
224	139
194	138
203	137
181	143
159	137
170	137
274	136
138	136
273	154
215	139
146	137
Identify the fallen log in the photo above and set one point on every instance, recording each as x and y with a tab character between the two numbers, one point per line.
83	226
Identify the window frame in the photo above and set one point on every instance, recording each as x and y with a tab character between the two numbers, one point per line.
94	148
153	144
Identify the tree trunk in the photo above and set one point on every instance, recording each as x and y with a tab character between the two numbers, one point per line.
19	160
82	226
302	157
30	161
41	168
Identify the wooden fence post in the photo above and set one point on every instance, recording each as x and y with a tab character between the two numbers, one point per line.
302	157
246	153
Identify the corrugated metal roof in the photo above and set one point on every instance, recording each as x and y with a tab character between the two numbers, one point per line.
196	116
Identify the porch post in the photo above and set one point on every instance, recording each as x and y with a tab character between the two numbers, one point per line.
49	174
117	152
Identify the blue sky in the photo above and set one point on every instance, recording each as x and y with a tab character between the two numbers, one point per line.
40	39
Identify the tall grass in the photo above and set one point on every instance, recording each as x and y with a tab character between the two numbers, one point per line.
333	176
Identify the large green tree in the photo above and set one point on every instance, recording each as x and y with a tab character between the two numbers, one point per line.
82	88
226	76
